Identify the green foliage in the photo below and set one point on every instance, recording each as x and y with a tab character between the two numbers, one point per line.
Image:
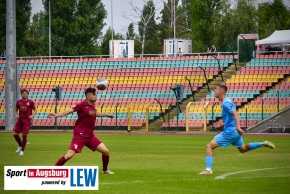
182	21
130	35
34	36
106	41
166	26
202	14
75	26
23	13
153	46
242	19
147	22
137	45
273	16
147	27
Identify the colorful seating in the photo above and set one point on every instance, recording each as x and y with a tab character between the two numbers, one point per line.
130	82
247	89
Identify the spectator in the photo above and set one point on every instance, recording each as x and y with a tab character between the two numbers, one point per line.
124	53
253	55
208	50
269	48
284	51
4	53
179	52
213	49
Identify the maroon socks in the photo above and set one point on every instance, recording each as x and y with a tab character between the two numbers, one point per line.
60	162
105	160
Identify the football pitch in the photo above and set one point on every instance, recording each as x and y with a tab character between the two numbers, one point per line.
161	163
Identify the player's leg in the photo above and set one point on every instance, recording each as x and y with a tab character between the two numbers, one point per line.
25	131
76	146
65	158
105	158
23	143
209	156
16	131
255	145
239	143
97	144
18	140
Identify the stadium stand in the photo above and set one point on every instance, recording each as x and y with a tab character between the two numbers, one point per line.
257	83
131	82
140	81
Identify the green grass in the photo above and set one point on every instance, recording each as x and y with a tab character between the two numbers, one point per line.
161	163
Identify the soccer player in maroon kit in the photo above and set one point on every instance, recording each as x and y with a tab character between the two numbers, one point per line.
84	128
24	106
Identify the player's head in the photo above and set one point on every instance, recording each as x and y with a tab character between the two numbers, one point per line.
24	94
91	94
220	90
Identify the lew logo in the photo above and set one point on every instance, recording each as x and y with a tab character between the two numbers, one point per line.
51	178
83	177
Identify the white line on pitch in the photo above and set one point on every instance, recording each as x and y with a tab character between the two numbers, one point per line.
218	177
223	176
277	176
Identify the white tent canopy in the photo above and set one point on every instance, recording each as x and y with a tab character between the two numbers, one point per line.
278	37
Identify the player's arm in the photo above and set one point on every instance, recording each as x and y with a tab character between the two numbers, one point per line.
60	114
16	113
34	112
220	127
104	115
238	122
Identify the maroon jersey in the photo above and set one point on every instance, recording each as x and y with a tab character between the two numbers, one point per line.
86	119
25	107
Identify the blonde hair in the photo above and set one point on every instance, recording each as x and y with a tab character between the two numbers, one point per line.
223	86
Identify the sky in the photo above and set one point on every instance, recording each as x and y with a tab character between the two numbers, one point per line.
120	24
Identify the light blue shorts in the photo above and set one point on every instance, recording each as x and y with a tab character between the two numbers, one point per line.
224	141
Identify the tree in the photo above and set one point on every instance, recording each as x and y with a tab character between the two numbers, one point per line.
273	16
152	42
181	19
34	36
146	24
167	20
202	14
23	13
240	19
106	40
130	35
75	26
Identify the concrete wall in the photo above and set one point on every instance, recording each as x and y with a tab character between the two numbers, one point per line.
277	123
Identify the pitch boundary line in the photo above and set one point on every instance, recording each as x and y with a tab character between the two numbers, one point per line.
223	176
196	179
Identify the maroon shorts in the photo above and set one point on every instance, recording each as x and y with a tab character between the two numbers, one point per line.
78	143
22	126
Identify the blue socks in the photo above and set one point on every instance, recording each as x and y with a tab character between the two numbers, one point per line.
208	161
254	145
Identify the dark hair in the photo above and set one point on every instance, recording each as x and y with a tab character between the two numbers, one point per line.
90	90
223	86
24	90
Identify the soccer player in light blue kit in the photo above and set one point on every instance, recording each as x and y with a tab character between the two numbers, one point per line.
232	133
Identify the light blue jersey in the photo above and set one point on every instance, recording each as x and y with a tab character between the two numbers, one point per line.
230	134
228	106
